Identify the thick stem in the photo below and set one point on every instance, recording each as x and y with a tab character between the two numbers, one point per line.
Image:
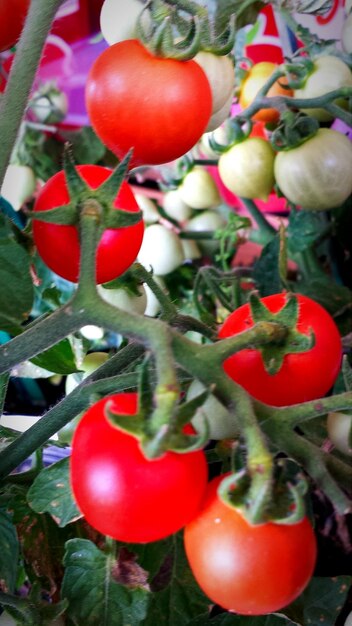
13	103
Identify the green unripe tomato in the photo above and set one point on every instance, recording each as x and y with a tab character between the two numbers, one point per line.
90	363
209	220
329	73
198	189
161	249
247	168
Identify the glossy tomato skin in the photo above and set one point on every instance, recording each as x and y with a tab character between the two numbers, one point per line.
255	80
12	17
159	107
120	492
252	570
59	245
303	376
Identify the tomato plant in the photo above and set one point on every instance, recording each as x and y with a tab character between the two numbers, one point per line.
316	174
247	168
295	381
12	18
58	245
256	78
119	491
127	87
248	569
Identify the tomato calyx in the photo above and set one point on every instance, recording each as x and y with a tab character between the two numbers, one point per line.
96	202
237	129
180	29
280	500
294	342
174	432
293	131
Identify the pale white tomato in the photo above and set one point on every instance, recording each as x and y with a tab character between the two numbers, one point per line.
346	39
118	19
150	212
209	220
125	300
161	250
175	207
220	73
198	189
329	73
153	305
18	185
220	422
339	426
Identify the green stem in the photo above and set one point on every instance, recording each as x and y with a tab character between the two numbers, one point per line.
266	230
297	414
13	103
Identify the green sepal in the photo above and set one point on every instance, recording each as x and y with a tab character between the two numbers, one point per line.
346	373
298	72
223	43
75	184
280	500
130	424
65	215
294	342
182	443
293	131
110	187
122	219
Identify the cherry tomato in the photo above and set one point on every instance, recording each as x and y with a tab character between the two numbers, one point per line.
247	168
220	73
120	492
161	249
198	189
258	75
304	375
12	18
317	174
329	73
158	106
59	245
248	569
339	426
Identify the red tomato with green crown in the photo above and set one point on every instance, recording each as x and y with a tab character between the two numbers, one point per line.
158	106
251	570
122	493
58	245
303	375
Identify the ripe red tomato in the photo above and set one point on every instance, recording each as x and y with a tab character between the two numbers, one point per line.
159	107
248	569
303	376
123	494
59	246
12	18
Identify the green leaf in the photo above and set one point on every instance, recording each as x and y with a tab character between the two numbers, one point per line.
179	598
59	358
266	271
321	602
331	296
86	147
226	619
15	281
90	575
9	552
305	228
51	493
32	610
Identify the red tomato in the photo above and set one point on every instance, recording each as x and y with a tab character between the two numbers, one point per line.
303	376
12	17
159	107
59	246
123	494
248	569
